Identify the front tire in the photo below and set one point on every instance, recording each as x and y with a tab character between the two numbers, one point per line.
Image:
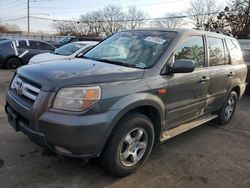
227	111
13	63
129	146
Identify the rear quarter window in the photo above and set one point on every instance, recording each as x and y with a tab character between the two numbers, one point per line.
44	46
234	51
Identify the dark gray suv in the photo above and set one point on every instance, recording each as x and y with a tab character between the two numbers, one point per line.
132	90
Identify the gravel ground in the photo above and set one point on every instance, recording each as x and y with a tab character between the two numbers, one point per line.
207	156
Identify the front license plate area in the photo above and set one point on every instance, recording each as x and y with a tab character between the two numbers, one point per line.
12	118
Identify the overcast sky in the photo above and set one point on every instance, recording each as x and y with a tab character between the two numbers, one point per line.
65	9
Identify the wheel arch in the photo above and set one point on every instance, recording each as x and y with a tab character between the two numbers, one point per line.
148	105
237	90
12	56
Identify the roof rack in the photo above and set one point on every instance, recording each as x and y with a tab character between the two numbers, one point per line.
222	32
216	31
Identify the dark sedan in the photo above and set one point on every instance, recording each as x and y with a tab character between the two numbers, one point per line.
14	53
2	39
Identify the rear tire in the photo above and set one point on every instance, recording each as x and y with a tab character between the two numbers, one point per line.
129	145
13	63
227	111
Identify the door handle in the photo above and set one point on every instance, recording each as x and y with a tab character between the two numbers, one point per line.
231	74
204	79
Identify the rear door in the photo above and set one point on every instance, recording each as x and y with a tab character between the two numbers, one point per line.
220	73
187	92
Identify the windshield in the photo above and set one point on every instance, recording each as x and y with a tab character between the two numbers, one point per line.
139	49
68	49
64	40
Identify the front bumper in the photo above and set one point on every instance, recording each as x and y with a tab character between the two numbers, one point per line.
68	134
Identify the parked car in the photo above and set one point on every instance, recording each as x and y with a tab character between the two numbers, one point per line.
3	39
134	89
246	55
68	51
14	53
66	40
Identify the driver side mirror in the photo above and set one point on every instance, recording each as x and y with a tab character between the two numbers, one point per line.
182	66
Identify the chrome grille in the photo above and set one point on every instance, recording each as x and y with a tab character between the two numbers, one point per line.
22	87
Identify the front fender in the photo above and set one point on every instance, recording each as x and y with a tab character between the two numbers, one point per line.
131	102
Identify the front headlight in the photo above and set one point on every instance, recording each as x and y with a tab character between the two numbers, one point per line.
77	98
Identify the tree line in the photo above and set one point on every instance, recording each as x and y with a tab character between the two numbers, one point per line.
107	21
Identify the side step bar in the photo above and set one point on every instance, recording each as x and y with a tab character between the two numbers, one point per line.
185	127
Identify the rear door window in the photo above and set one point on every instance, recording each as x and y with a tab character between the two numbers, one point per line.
32	45
216	50
192	48
235	51
21	44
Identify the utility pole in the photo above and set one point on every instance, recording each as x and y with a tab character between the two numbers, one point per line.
28	15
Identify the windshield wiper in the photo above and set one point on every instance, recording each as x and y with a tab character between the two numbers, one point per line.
111	62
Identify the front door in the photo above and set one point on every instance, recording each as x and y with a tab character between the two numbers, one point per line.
187	92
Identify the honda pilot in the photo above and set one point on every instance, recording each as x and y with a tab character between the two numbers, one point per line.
133	90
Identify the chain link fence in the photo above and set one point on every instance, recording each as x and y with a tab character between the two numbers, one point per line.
36	37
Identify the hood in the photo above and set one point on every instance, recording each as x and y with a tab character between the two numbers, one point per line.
65	73
47	57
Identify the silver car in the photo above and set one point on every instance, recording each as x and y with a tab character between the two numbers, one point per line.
68	51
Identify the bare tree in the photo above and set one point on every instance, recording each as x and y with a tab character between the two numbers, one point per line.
234	19
203	11
71	28
9	28
135	17
170	20
94	22
113	18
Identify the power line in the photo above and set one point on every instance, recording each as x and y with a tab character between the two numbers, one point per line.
85	6
14	19
125	20
11	5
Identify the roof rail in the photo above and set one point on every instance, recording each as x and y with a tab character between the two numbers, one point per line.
222	32
216	31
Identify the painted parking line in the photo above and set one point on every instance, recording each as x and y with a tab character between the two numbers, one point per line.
17	43
14	47
24	53
28	43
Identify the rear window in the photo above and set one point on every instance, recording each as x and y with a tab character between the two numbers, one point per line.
235	51
216	51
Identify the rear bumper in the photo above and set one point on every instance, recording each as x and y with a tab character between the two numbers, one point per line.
81	136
